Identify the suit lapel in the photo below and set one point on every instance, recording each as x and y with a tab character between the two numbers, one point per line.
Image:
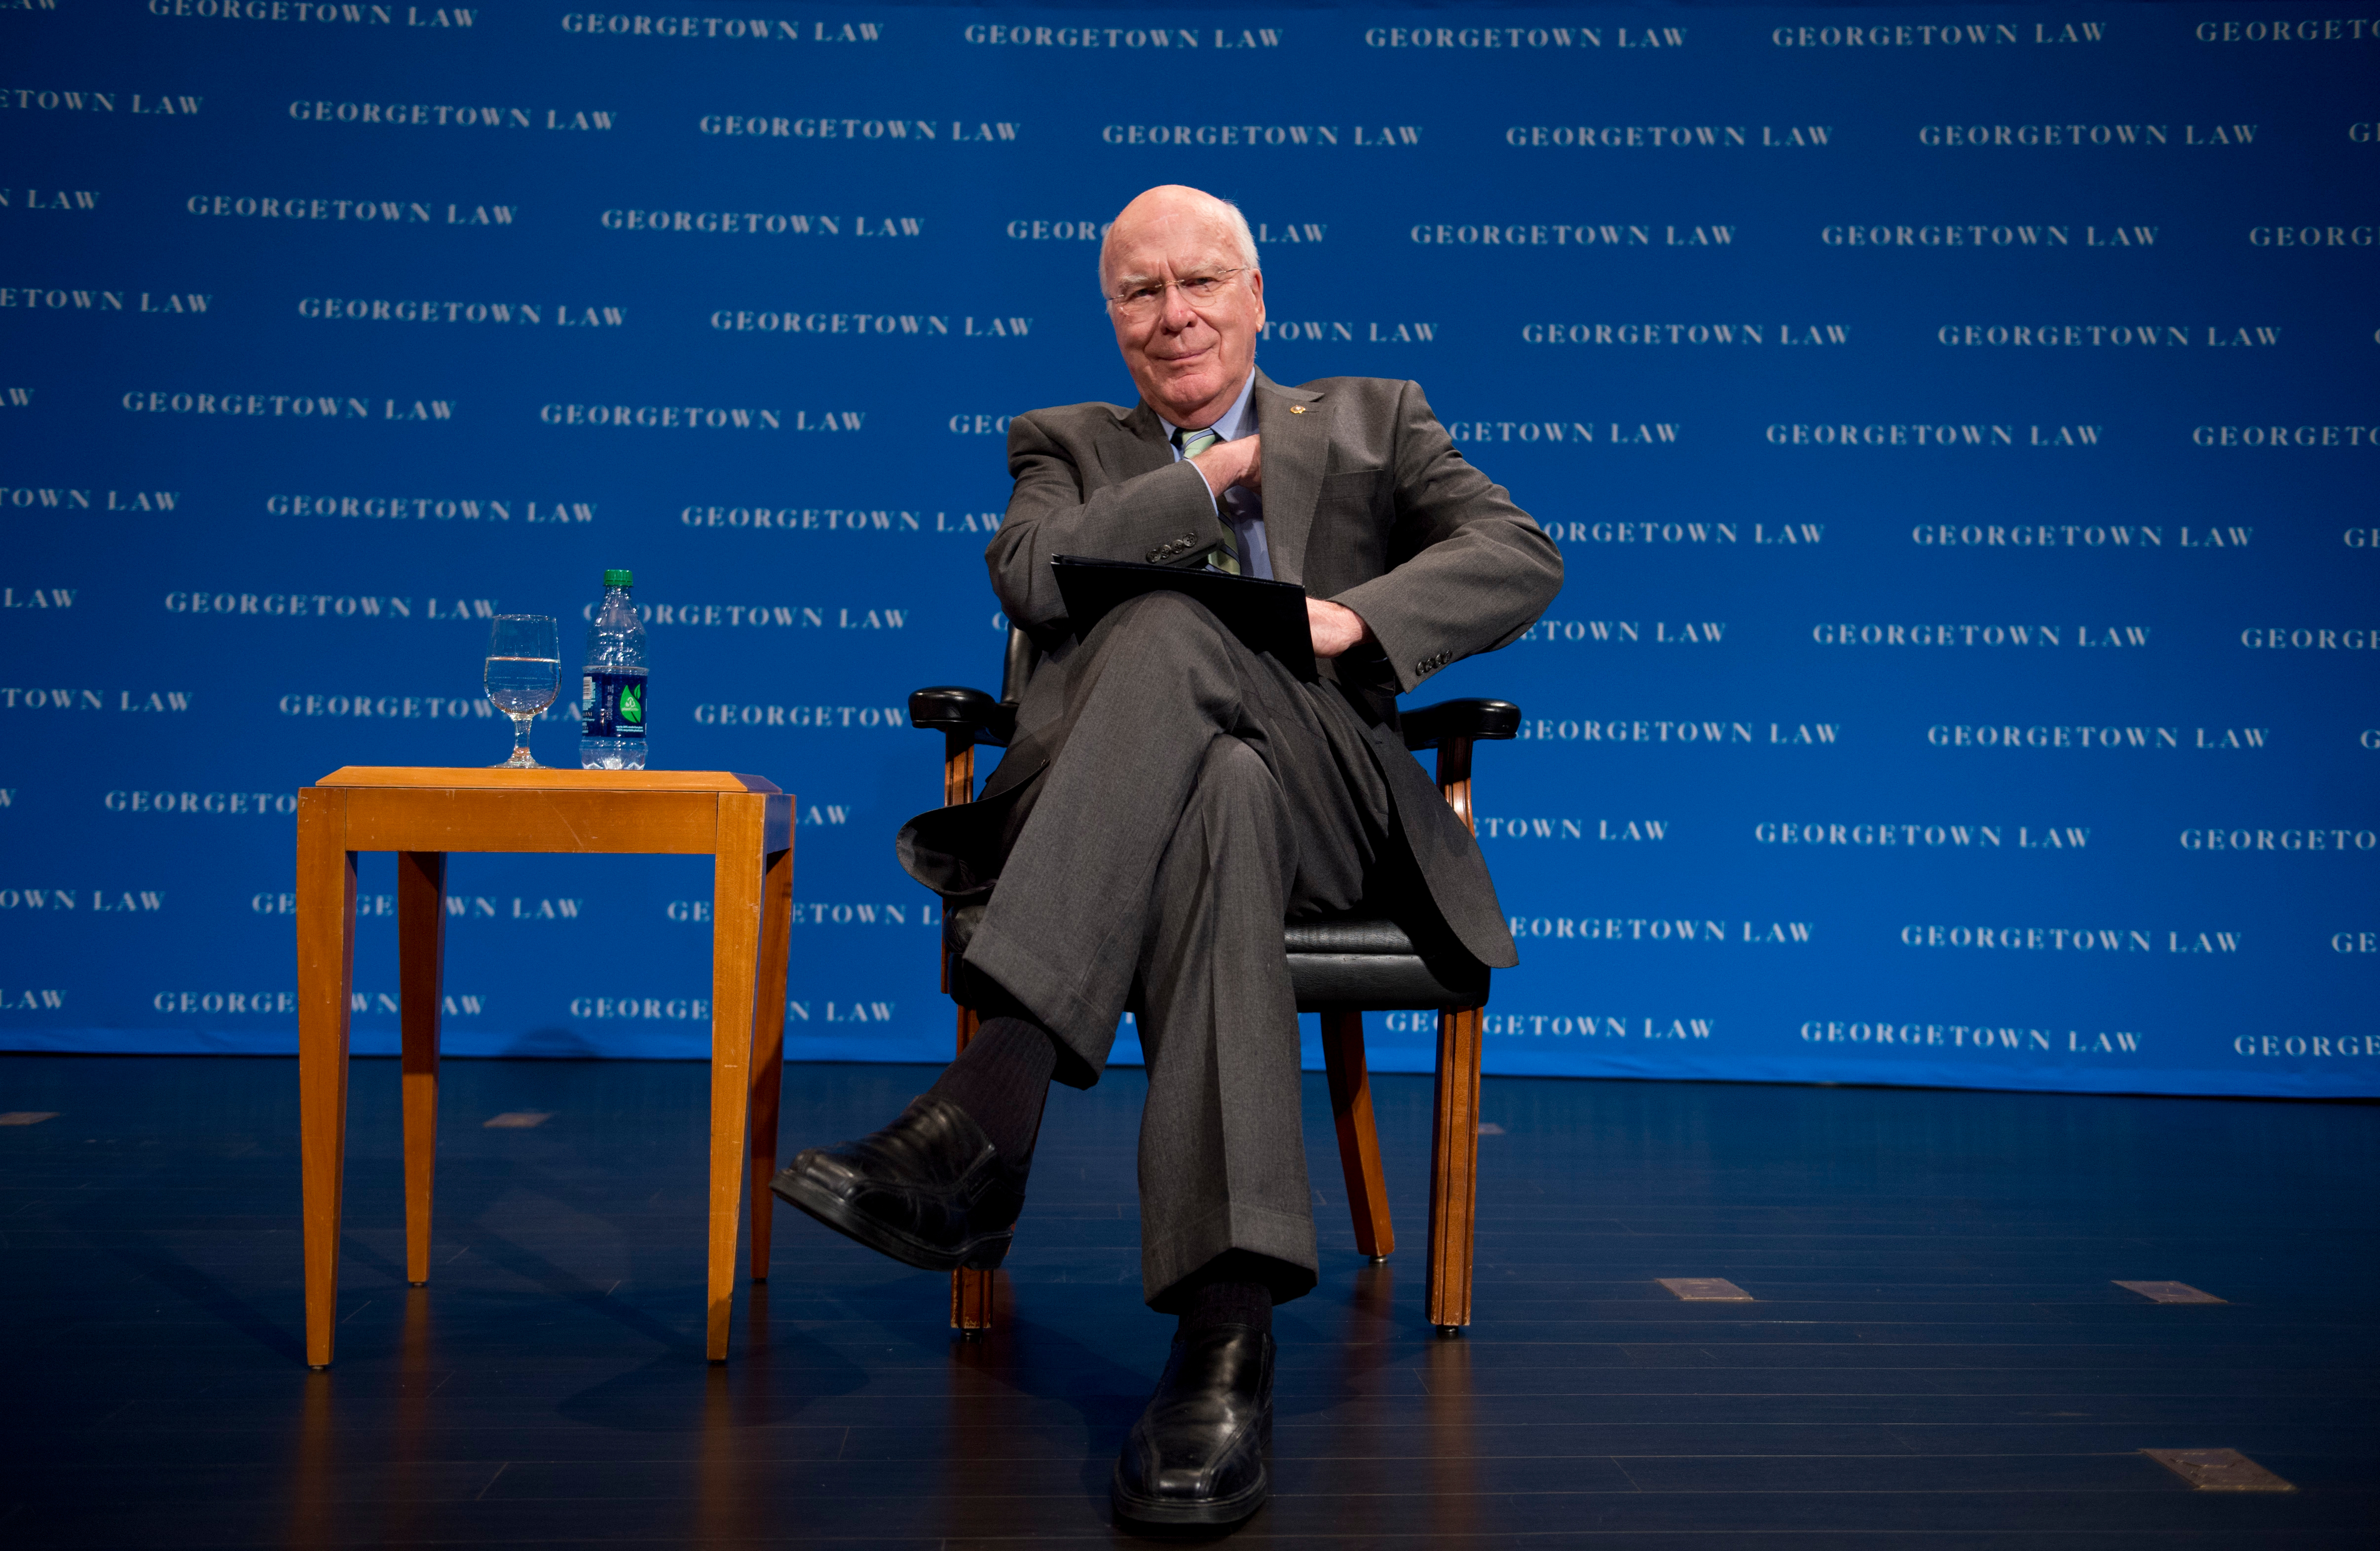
1140	445
1295	425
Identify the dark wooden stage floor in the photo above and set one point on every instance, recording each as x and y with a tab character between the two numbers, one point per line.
1937	1356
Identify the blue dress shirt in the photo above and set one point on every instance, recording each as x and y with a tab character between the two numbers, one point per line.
1241	508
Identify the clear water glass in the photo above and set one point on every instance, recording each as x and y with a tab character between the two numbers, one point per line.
524	675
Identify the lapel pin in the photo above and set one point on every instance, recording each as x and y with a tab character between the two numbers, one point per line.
1297	409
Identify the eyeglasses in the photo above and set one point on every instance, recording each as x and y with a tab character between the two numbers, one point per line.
1142	302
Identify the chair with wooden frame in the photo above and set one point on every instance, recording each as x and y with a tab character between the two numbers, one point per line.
1340	968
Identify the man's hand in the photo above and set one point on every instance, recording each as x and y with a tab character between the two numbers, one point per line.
1334	629
1233	462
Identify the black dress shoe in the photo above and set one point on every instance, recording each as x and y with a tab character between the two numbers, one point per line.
929	1189
1197	1455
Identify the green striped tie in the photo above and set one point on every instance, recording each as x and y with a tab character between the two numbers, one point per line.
1224	556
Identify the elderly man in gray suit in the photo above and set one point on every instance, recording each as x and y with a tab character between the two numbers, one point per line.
1171	797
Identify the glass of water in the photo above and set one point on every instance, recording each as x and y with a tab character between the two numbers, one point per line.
524	675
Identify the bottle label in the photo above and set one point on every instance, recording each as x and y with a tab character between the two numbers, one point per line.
614	704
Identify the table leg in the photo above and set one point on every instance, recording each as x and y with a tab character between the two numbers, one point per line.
421	966
769	1044
737	873
326	962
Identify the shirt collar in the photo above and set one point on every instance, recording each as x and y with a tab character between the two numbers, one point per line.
1236	421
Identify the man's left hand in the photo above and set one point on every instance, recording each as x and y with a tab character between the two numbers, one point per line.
1333	628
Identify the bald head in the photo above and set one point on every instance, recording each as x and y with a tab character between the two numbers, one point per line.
1172	205
1185	295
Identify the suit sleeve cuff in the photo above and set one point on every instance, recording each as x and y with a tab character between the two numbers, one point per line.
1214	496
1376	601
1199	526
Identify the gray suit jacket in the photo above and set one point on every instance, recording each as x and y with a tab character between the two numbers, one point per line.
1366	502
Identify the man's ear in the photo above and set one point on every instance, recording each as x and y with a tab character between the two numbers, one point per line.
1256	288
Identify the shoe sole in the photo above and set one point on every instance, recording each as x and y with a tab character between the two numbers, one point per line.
1219	1511
982	1253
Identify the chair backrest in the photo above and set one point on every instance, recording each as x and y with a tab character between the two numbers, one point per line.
1016	670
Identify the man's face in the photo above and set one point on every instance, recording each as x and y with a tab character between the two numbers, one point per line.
1187	356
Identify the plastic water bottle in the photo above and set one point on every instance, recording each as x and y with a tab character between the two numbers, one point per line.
612	695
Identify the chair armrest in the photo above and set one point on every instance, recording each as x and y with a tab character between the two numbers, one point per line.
1431	725
969	714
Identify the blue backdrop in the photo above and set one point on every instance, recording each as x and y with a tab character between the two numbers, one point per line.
1958	424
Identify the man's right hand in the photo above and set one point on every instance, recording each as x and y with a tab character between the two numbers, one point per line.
1233	462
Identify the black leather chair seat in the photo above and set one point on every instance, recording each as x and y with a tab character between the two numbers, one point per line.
1351	962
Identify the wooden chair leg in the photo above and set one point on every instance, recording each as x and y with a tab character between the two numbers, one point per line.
1359	1146
1453	1168
971	1303
768	1045
420	970
970	1290
735	877
326	968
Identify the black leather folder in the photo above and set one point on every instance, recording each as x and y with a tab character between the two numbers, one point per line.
1266	616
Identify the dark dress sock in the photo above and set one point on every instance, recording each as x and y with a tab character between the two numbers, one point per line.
1231	1288
1001	1079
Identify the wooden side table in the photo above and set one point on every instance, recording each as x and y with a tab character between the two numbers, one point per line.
421	815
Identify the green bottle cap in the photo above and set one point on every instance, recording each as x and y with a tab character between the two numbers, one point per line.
619	578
